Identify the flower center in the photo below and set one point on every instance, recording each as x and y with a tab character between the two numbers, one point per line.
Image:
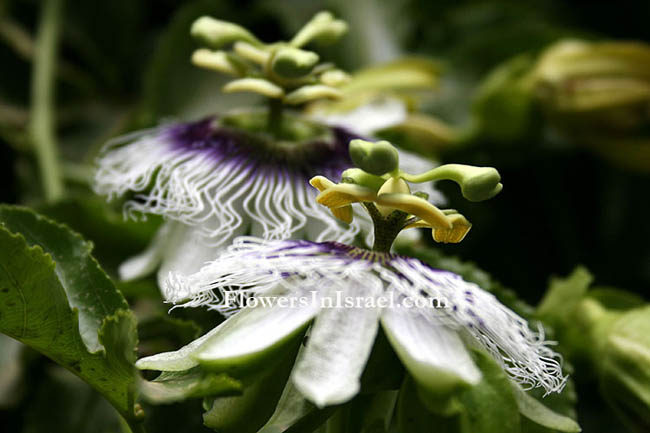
305	147
357	253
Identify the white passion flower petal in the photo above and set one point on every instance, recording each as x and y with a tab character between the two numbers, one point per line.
372	116
434	354
300	268
148	260
177	360
258	268
521	352
176	246
338	346
251	336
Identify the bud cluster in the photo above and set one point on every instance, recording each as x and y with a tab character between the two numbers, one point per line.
283	71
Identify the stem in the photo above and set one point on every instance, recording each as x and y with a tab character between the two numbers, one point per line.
448	171
274	123
386	228
42	117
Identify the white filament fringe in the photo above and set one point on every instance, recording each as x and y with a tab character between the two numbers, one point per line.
257	268
216	193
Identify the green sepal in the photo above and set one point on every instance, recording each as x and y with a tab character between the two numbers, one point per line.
413	417
542	415
176	386
382	360
296	414
563	296
291	62
250	411
217	33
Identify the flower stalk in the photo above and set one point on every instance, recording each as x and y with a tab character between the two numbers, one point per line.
42	129
274	123
282	71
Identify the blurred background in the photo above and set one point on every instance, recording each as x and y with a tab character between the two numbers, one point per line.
122	65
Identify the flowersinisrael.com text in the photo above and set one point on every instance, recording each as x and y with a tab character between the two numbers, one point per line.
337	300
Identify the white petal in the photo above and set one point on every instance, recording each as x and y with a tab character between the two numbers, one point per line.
178	360
338	347
365	119
147	261
521	352
249	334
188	250
432	353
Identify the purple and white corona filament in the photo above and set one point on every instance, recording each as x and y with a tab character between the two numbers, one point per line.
432	343
213	183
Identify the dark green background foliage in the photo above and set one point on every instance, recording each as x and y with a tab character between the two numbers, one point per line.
123	65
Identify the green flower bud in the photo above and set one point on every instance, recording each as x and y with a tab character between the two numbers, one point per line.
309	93
503	107
323	28
620	354
605	84
608	330
625	367
255	85
290	62
376	158
215	60
216	33
334	77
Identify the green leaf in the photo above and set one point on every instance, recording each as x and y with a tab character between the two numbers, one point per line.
55	298
63	403
114	238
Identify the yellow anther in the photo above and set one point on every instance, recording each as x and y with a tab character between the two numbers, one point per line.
321	183
416	206
345	194
460	228
343	213
447	226
339	197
